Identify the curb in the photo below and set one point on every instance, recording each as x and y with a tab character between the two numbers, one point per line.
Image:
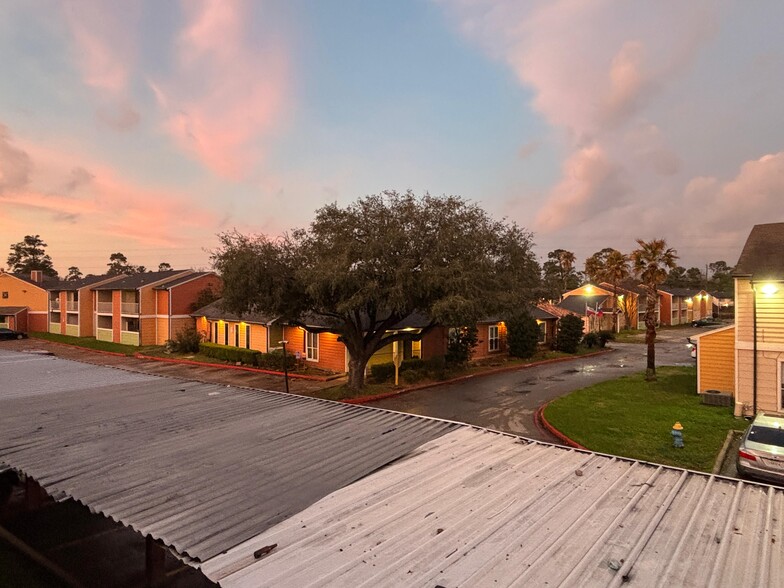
366	399
723	452
232	367
99	351
540	420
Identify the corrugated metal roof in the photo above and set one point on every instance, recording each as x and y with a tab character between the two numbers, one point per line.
476	508
201	467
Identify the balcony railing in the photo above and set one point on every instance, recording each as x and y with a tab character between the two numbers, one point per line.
54	304
105	307
72	306
130	308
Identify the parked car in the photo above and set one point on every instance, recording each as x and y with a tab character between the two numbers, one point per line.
761	452
707	321
10	334
692	346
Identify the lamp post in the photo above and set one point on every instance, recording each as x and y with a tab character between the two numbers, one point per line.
285	365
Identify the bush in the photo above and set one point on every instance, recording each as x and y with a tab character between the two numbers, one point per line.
415	369
461	341
591	339
274	361
522	335
229	353
570	332
605	336
186	341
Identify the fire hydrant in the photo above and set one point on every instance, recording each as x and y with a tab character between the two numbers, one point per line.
677	435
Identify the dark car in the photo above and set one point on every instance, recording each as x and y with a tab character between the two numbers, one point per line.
761	452
707	321
10	334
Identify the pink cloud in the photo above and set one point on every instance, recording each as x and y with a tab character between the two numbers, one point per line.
227	93
105	51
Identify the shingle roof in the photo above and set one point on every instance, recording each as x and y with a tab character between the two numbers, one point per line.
215	311
44	284
763	254
11	310
539	313
138	280
554	310
67	285
679	291
181	279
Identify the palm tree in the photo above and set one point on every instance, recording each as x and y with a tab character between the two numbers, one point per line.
615	270
566	260
651	262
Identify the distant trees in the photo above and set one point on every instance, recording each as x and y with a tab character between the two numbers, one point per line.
611	266
651	262
30	254
559	274
74	273
118	265
164	267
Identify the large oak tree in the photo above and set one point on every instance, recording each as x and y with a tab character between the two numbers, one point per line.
368	266
30	254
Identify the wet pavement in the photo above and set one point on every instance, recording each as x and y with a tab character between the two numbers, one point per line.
507	401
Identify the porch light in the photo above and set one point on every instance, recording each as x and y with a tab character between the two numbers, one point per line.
688	301
620	296
769	289
588	289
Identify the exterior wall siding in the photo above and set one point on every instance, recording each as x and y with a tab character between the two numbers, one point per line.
716	361
21	293
185	294
482	348
116	320
147	332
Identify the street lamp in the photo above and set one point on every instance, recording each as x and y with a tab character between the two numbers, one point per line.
285	365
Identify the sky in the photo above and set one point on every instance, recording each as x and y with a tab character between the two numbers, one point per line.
149	127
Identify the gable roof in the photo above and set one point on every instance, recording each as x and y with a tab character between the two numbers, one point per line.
598	291
136	281
11	310
541	314
43	285
577	304
680	291
553	310
763	254
182	279
216	311
68	285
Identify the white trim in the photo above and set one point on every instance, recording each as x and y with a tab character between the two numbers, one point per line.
309	347
490	338
761	346
713	331
779	384
182	274
37	312
165	316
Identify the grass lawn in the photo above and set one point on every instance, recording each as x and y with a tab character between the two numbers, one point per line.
633	418
90	343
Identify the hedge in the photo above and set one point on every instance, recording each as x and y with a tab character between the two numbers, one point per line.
386	371
229	353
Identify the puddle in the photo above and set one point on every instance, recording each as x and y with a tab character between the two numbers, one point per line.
519	391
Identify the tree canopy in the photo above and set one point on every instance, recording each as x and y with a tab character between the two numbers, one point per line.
30	254
558	274
74	273
118	265
368	266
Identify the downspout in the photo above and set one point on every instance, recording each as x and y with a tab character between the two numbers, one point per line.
754	379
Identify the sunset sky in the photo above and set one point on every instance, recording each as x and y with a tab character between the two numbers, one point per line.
148	127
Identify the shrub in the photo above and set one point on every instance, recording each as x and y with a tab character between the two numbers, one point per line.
461	341
186	341
274	361
591	339
605	336
415	369
570	331
522	335
229	353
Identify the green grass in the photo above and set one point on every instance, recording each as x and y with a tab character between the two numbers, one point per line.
633	418
90	343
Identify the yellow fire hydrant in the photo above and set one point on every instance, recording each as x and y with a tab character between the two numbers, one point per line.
677	435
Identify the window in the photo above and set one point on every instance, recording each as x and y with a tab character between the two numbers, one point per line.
311	346
5	294
247	336
214	332
130	324
225	333
542	332
493	340
236	335
416	349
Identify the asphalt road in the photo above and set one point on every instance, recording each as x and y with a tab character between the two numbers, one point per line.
507	401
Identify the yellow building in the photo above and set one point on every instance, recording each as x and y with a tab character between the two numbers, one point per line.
759	322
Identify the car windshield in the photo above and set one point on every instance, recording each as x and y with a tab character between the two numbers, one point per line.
767	435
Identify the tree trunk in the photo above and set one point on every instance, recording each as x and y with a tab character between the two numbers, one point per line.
650	336
356	372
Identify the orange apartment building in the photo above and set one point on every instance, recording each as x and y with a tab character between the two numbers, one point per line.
148	308
71	306
24	301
